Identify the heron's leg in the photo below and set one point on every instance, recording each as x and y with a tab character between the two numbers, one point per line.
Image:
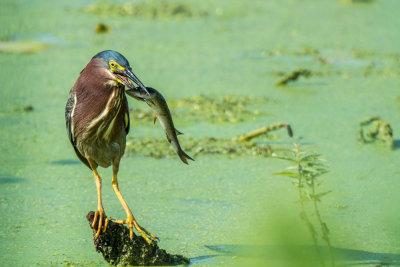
99	214
130	220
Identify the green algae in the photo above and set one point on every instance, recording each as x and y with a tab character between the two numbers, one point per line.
226	109
154	9
160	148
218	200
249	144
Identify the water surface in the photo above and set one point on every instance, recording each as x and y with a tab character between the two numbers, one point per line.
45	193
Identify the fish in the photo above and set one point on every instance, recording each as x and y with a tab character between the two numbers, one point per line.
157	103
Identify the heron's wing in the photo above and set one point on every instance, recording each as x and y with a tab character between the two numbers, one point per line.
126	117
69	108
69	112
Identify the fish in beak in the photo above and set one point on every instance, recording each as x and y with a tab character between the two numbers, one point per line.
126	76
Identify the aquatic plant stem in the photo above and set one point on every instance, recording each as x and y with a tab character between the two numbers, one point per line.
306	168
303	214
324	228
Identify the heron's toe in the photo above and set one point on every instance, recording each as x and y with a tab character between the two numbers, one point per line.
131	222
99	216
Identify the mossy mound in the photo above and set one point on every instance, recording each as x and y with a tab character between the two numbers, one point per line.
119	250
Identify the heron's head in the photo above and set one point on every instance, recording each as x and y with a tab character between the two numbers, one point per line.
119	67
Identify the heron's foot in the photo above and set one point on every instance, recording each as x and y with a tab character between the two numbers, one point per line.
99	215
131	222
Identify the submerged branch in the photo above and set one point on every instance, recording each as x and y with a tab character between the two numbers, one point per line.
265	130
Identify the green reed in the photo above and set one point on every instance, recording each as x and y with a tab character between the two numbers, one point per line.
307	166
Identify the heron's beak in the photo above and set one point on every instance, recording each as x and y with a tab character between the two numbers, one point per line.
129	74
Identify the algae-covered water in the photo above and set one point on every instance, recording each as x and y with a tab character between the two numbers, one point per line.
222	209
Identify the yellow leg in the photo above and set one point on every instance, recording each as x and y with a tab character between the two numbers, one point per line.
99	214
130	220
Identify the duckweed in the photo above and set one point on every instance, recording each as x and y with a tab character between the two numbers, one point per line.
153	9
160	148
228	109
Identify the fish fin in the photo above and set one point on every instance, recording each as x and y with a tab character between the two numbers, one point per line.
177	132
155	118
184	157
169	139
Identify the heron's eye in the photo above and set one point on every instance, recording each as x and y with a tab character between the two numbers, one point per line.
113	64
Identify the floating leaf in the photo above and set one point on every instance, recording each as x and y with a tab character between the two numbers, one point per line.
320	195
284	158
289	174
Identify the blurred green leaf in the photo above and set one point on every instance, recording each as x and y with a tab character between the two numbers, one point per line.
289	174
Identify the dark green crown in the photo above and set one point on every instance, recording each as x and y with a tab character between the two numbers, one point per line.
108	55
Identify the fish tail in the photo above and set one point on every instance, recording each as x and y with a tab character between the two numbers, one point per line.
178	132
184	157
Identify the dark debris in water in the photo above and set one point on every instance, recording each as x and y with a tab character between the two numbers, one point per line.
101	28
27	108
230	108
119	250
294	76
375	129
153	9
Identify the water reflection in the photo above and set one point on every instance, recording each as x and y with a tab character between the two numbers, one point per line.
10	180
273	253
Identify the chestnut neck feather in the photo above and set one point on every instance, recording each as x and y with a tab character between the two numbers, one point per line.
96	90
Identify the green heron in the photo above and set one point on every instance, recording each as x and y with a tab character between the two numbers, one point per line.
97	119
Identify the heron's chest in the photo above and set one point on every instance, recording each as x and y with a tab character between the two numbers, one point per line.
108	123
